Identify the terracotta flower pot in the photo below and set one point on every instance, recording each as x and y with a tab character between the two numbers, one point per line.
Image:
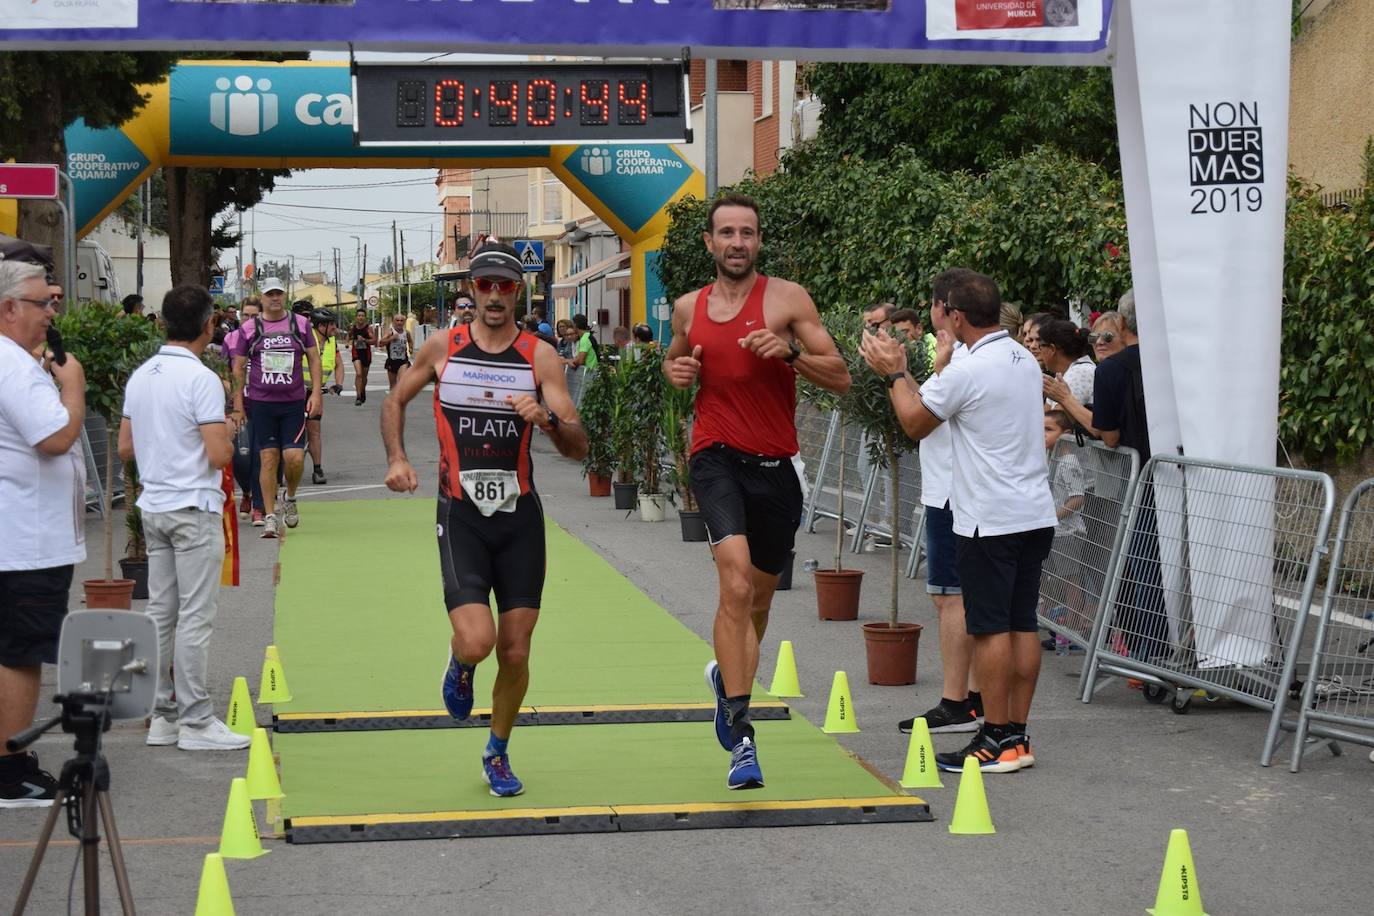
837	593
109	594
598	485
892	653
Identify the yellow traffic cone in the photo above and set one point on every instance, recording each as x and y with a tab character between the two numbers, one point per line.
785	683
971	815
920	771
241	718
239	837
272	687
1178	893
262	774
839	715
214	899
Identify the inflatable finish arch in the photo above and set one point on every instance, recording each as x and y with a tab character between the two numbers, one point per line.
299	114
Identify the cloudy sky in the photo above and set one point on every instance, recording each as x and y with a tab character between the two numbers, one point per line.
317	210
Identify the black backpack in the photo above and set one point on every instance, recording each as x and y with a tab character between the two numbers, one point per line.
257	343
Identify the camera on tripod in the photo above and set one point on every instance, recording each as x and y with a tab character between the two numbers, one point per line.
107	667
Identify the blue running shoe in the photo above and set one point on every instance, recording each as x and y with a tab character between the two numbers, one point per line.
744	766
717	685
496	773
457	688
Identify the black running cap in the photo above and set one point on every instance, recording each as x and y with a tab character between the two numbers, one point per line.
495	259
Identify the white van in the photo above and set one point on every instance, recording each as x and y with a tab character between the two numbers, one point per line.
95	275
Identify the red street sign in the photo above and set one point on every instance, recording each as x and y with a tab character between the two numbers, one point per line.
28	181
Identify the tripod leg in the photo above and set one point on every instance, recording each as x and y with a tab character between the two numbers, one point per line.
90	849
126	897
38	851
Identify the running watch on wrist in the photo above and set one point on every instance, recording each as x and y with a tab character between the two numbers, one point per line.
792	357
552	422
894	378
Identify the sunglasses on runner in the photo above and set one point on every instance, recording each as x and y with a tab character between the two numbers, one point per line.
467	306
504	287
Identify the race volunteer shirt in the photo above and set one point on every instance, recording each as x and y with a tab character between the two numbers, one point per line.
484	445
44	496
168	399
937	455
994	407
276	363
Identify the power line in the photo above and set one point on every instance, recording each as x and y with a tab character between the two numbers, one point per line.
369	210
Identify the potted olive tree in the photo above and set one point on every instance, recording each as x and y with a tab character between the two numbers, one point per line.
837	588
109	346
678	404
597	410
891	645
644	391
134	564
624	435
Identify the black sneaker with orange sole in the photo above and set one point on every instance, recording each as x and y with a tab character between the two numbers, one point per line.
992	756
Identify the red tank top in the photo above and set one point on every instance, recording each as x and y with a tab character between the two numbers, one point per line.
477	429
745	402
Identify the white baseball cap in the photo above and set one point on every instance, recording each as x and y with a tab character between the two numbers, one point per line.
272	284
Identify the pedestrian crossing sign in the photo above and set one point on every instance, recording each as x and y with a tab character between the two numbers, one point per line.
531	253
217	285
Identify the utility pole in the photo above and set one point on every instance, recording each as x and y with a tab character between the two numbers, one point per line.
338	293
362	281
712	140
238	281
405	274
395	262
143	198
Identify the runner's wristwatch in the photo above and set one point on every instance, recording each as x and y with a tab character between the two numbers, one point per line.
791	358
552	423
893	378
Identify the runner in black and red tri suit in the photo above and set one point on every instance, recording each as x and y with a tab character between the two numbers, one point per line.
745	338
491	377
361	339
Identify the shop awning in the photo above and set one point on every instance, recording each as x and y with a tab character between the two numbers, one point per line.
569	285
618	279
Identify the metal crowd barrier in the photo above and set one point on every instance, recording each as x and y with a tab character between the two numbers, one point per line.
823	500
911	514
1338	697
1210	586
1097	482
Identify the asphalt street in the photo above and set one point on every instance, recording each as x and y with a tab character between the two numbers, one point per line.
1084	832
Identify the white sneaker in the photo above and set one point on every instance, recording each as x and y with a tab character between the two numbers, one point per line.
292	514
214	735
162	732
269	527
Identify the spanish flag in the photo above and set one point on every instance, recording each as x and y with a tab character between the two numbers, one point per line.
229	572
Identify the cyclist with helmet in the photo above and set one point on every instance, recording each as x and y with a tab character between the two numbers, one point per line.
332	361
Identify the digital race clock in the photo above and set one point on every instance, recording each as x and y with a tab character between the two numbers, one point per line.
497	103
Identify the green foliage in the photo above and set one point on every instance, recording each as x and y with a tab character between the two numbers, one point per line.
597	412
639	419
678	407
1041	225
968	118
109	347
1327	380
99	87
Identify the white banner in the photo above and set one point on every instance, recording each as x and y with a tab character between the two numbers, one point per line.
1202	100
68	14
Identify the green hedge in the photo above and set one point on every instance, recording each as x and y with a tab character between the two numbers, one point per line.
1051	229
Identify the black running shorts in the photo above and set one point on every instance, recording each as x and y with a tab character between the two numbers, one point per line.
33	605
1000	577
394	365
503	553
759	498
363	356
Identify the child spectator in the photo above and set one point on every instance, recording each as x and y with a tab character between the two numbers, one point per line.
1062	587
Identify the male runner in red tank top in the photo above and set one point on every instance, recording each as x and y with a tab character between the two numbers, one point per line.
745	338
489	379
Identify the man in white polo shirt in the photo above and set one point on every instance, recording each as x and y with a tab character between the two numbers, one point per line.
1004	515
174	425
42	504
